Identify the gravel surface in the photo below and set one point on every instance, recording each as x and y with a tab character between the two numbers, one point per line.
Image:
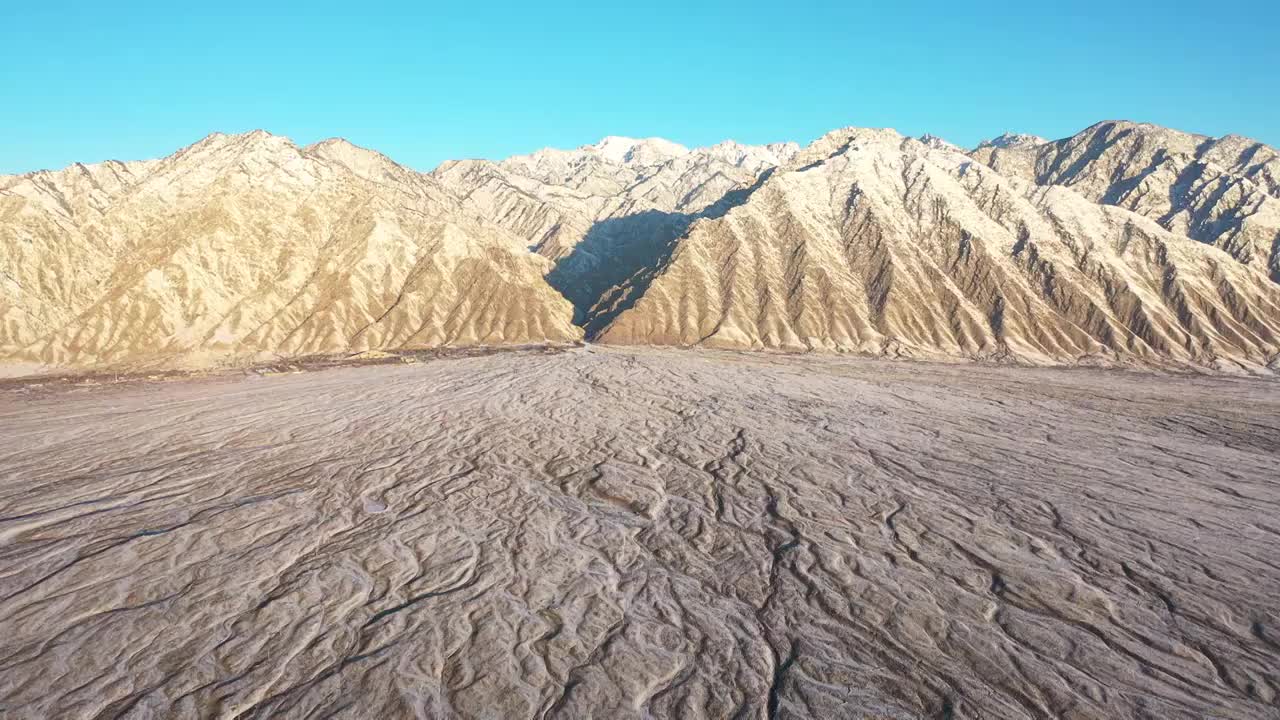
643	533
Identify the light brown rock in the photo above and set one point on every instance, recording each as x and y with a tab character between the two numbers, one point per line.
606	211
247	246
874	243
1221	191
1124	243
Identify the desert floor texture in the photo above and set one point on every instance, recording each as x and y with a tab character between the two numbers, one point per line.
643	533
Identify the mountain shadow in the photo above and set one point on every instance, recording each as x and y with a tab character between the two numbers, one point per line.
609	270
612	251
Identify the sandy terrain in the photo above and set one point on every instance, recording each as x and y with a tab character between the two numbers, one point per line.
643	533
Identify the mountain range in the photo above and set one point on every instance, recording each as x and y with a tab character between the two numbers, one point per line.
1126	242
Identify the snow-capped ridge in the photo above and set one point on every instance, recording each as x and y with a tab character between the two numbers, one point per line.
839	140
937	143
623	150
964	254
754	156
1009	140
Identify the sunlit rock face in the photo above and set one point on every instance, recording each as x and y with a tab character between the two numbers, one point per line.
247	246
874	243
1126	243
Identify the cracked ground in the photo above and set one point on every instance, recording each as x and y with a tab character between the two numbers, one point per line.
643	533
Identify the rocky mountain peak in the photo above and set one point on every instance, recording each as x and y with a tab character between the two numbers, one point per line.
863	241
647	151
937	143
1013	140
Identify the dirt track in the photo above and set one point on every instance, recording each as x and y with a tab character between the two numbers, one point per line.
643	533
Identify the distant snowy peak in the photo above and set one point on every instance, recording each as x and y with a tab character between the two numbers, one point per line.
754	157
636	153
363	161
938	143
784	151
1011	140
631	151
612	156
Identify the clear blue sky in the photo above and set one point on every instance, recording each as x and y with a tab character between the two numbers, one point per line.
426	81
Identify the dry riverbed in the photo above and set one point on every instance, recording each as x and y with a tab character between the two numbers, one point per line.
643	533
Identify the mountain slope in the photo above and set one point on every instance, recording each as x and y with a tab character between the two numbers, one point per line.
1221	191
605	211
872	242
240	246
1123	242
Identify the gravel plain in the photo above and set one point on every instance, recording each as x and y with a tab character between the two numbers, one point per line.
609	533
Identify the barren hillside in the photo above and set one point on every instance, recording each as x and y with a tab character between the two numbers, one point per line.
606	211
1124	243
245	246
874	243
1221	191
